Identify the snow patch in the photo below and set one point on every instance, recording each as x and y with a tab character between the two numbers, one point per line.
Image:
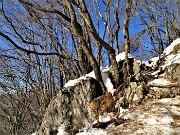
121	56
104	118
107	81
74	82
93	131
171	59
61	131
166	120
105	77
33	133
165	100
122	110
176	101
154	120
151	121
152	62
169	49
160	81
91	74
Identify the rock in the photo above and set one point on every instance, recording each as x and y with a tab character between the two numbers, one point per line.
176	49
172	72
137	70
70	108
133	95
158	93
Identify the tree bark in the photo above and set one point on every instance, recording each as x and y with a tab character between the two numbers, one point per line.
110	50
126	77
82	43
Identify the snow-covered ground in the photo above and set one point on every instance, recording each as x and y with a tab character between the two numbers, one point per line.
93	131
160	116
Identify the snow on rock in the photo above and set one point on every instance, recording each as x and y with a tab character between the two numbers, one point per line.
93	131
107	81
105	77
74	82
121	56
160	81
105	117
91	74
152	62
159	120
122	110
61	131
171	59
169	49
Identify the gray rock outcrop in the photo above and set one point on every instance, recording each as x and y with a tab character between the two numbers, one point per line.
133	95
70	108
172	72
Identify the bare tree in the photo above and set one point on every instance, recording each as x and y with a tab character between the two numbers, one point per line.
127	42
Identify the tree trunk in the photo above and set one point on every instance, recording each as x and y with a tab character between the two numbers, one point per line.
110	50
127	42
82	44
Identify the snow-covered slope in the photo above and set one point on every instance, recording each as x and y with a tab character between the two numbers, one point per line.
159	116
169	58
156	117
169	49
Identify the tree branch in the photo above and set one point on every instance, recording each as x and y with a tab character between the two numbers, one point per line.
30	51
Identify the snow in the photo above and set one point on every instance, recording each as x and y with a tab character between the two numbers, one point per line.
93	131
107	81
91	74
154	117
171	46
165	100
160	81
152	62
34	133
104	118
61	131
74	82
122	110
151	121
121	56
171	59
156	120
105	77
